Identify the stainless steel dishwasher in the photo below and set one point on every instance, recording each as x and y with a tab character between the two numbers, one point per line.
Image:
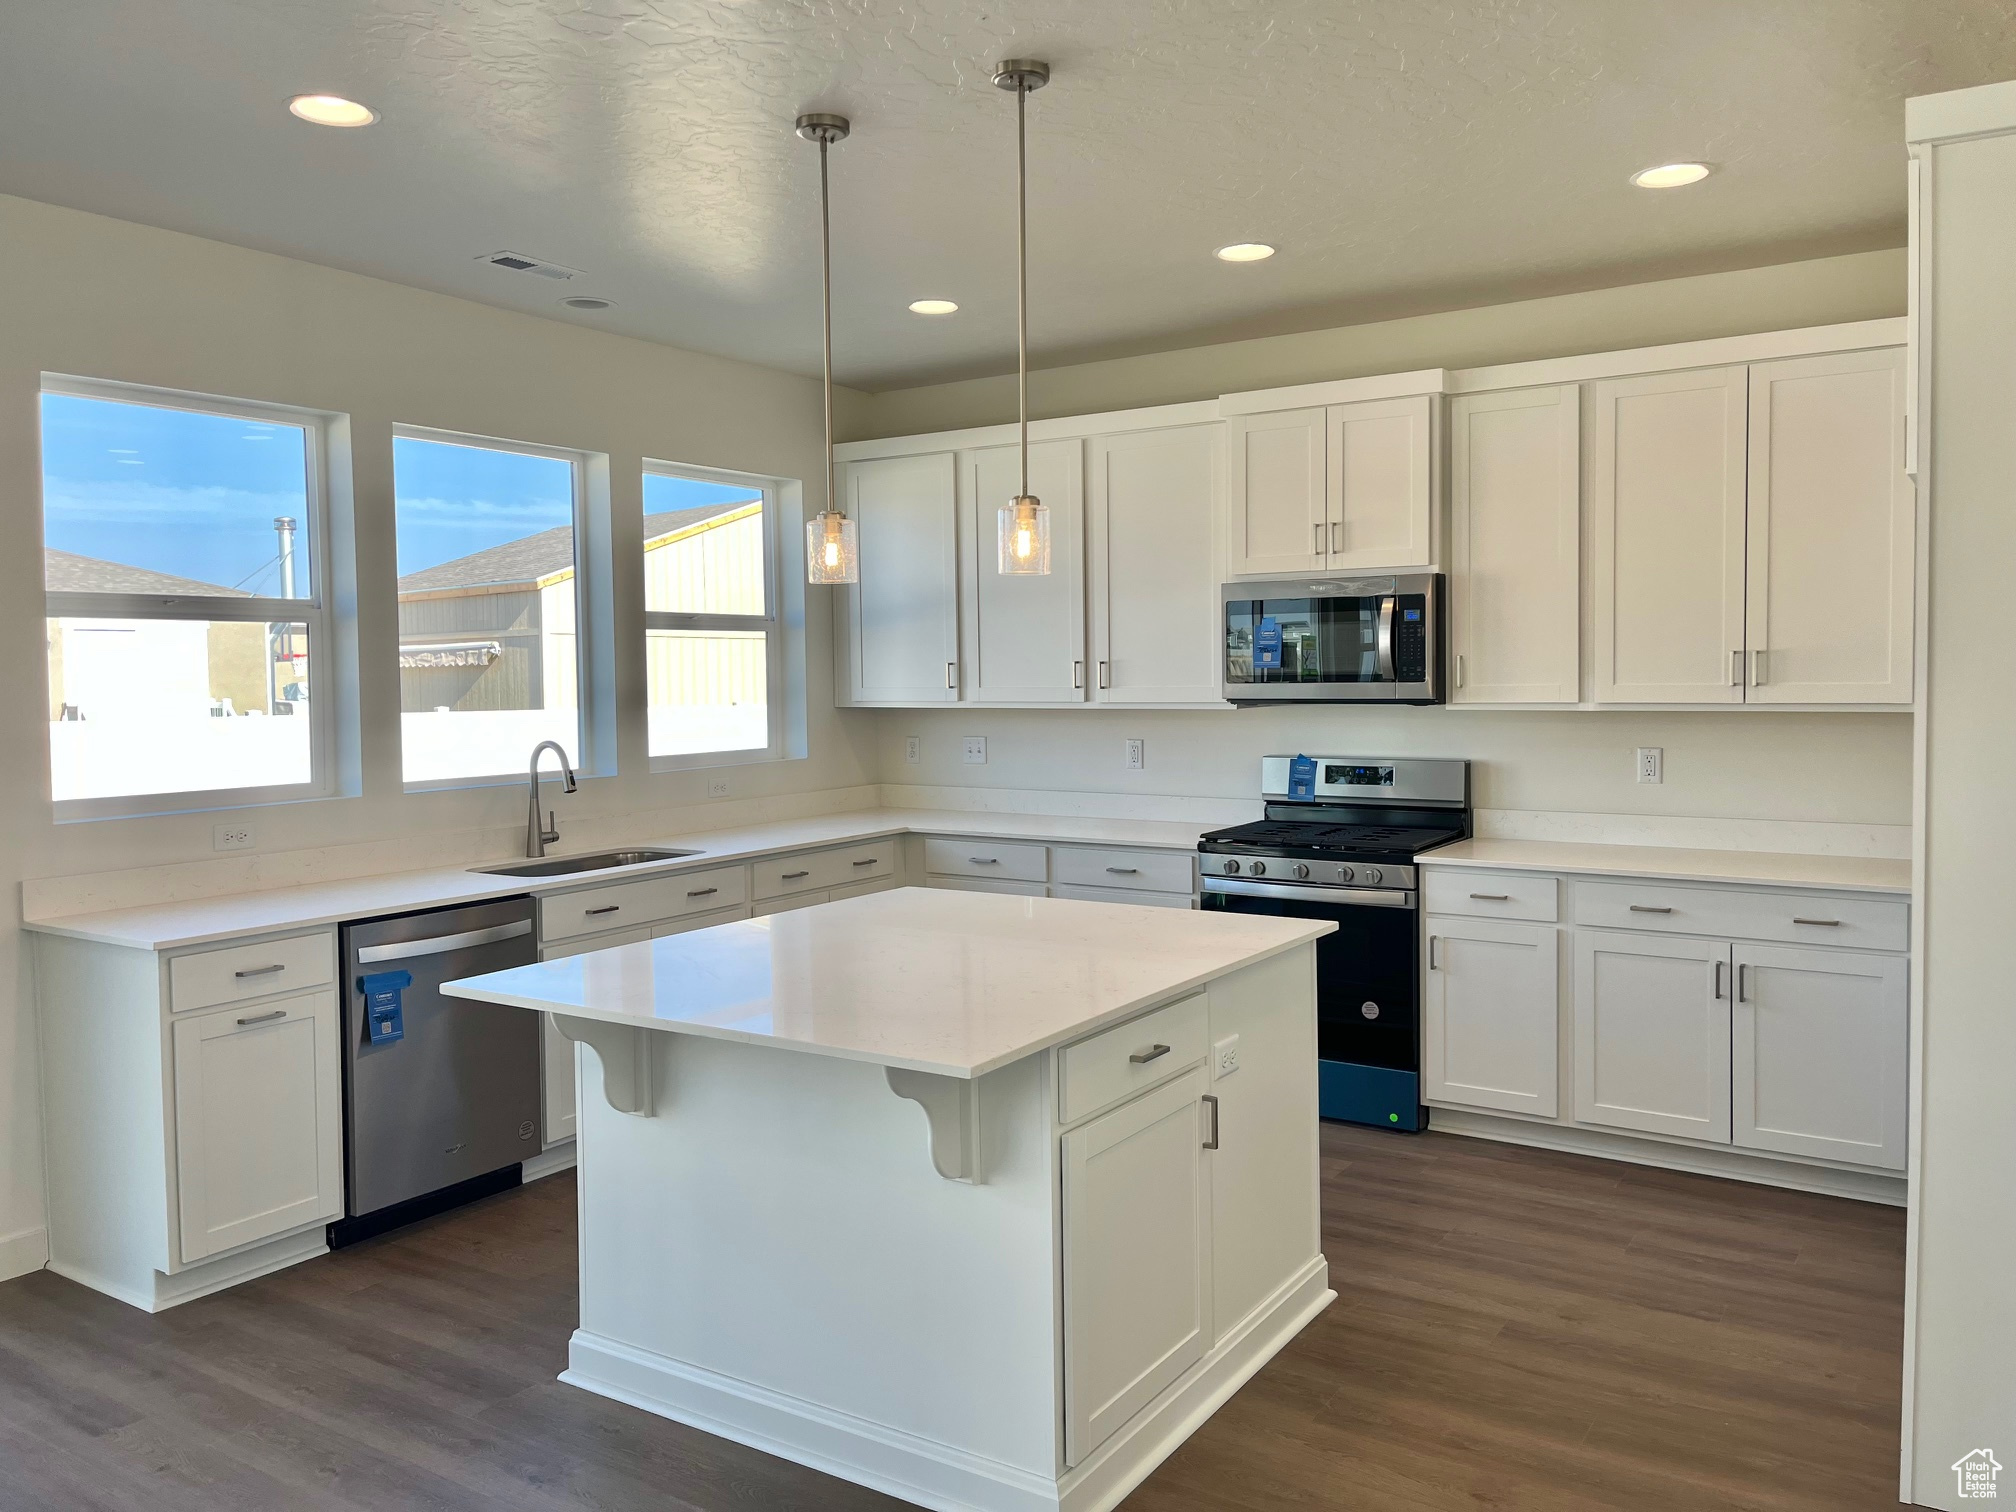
441	1097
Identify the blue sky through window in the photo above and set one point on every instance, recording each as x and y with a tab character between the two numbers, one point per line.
663	494
454	500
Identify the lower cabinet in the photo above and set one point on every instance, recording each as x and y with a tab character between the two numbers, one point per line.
1136	1268
258	1121
1652	1034
1491	1015
1121	895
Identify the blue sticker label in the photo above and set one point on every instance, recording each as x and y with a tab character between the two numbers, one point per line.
1302	777
1267	643
384	1014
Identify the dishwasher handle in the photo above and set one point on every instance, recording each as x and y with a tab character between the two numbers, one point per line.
406	950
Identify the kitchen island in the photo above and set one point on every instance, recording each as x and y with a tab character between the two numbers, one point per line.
982	1201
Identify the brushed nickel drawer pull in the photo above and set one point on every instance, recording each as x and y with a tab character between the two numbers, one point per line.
252	971
1142	1057
985	860
1492	897
794	876
1648	908
1125	871
605	908
1823	923
703	892
265	1018
871	861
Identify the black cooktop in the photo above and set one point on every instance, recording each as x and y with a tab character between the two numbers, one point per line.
1316	840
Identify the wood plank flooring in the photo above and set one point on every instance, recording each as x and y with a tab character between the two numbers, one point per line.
1515	1329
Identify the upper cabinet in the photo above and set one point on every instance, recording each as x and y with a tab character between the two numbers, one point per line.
902	618
1340	488
1023	637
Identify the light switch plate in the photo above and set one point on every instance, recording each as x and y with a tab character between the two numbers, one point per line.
1225	1056
1651	763
913	750
976	750
1137	755
233	834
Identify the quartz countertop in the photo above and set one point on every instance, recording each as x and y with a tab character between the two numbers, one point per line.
954	983
1764	868
203	921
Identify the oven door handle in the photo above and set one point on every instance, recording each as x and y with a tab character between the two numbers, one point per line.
1342	897
1388	608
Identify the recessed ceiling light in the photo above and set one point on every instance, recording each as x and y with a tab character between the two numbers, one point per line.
1244	252
331	110
585	302
1671	175
932	307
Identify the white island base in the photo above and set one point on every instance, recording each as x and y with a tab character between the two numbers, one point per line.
993	1277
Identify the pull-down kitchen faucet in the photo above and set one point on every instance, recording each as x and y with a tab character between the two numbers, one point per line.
538	836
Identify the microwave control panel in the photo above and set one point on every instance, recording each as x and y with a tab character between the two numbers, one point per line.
1410	638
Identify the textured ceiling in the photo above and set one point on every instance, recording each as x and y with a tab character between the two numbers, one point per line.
1405	155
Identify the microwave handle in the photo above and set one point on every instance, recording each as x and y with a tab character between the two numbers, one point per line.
1388	608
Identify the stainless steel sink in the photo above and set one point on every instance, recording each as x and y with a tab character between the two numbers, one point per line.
563	866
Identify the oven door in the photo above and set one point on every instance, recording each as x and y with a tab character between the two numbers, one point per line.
1315	647
1367	972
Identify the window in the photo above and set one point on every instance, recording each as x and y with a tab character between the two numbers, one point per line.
490	657
184	563
712	648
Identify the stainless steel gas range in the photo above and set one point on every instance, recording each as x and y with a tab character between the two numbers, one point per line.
1339	843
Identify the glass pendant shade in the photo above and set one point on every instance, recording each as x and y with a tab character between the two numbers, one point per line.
829	549
1025	537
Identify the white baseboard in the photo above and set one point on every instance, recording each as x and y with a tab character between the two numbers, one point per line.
23	1252
923	1471
163	1291
551	1161
1759	1170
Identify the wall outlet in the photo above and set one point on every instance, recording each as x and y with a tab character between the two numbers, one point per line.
913	750
976	750
233	834
1651	763
718	787
1225	1056
1137	755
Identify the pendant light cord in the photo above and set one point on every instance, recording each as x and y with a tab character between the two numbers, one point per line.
1022	271
826	297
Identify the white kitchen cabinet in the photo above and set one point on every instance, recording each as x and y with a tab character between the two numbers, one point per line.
1491	1016
1652	1033
1343	488
785	904
1515	571
258	1121
902	617
1820	1051
1666	481
1023	637
1152	565
1832	532
1136	1258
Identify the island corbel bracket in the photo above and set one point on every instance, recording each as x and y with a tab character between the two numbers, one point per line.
625	1054
952	1106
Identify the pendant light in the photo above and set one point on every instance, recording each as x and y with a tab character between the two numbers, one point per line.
830	555
1025	521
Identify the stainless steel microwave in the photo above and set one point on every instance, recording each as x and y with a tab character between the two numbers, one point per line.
1335	640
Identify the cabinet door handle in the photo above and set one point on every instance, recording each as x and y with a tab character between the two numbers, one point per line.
1822	923
1154	1052
1105	674
1718	980
703	892
1757	668
985	860
1212	1142
871	861
1432	966
1319	537
1492	897
265	1018
605	908
1648	908
257	971
1743	983
1135	871
1459	669
1336	535
1736	668
952	675
794	876
1077	674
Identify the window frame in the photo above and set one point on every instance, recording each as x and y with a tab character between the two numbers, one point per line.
771	622
312	611
588	597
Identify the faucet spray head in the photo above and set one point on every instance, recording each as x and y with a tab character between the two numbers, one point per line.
568	786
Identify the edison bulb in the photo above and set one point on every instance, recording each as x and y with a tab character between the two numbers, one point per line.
1025	537
829	549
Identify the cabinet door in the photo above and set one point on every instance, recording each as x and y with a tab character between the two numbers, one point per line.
903	616
1666	508
1277	492
1157	632
1491	1010
1024	637
1135	1263
788	902
1832	531
1652	1033
1820	1052
258	1121
1515	569
556	1050
980	884
1381	484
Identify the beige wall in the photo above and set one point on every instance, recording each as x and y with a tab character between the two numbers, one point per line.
106	299
1861	286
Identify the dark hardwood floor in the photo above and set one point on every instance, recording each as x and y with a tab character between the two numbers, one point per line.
1514	1329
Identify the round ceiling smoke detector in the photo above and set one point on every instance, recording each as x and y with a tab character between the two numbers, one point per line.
587	302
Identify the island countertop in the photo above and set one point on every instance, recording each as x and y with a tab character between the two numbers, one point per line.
953	983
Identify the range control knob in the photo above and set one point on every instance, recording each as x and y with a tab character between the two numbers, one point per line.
1231	868
1344	874
1300	868
1259	868
1371	876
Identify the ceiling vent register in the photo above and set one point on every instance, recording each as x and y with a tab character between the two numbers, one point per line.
518	262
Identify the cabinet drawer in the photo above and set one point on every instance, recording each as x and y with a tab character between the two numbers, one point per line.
210	977
1121	895
1103	1069
1842	919
811	871
1147	871
625	904
1491	895
987	858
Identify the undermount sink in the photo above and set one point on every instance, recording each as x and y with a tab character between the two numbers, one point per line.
561	866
